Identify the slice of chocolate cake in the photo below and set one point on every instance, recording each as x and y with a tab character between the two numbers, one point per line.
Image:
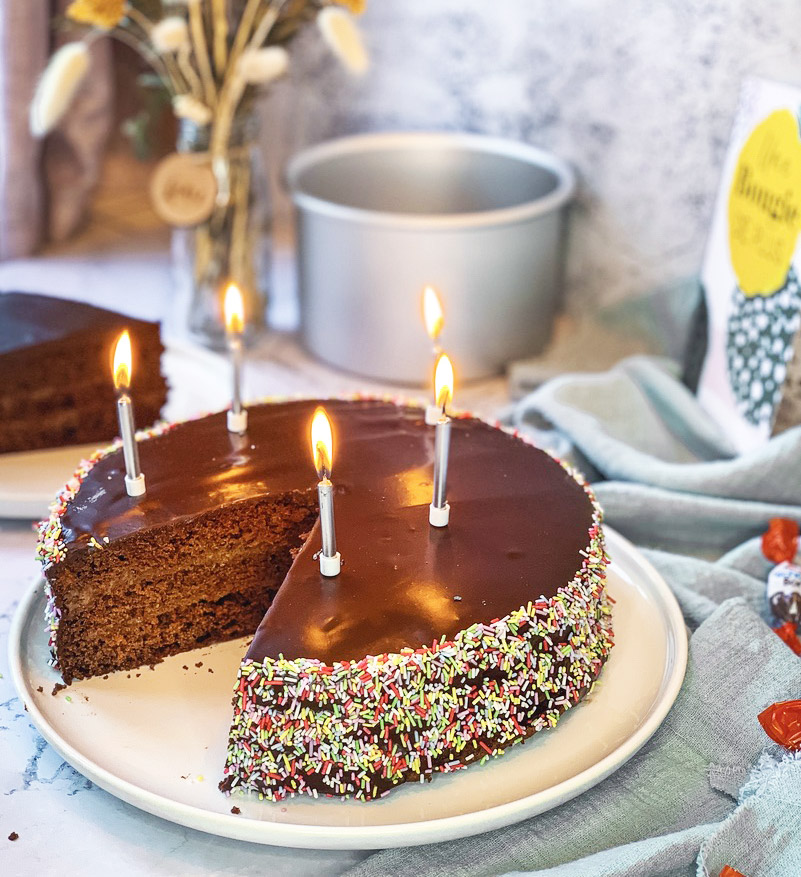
55	372
433	648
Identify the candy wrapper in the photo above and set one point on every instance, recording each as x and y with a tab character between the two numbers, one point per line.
728	871
780	545
782	723
786	633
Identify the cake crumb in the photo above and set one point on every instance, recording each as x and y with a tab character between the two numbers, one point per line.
199	664
138	675
236	811
59	686
40	690
106	676
210	670
13	836
185	667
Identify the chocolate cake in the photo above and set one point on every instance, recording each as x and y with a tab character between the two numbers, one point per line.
433	648
55	372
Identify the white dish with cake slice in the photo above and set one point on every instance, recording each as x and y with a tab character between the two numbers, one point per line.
199	381
157	738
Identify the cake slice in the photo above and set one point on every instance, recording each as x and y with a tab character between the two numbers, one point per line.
56	386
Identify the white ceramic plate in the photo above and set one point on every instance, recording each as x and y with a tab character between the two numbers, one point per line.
157	738
29	480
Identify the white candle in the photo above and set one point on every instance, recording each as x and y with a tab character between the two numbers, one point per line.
322	443
434	321
439	511
134	477
237	419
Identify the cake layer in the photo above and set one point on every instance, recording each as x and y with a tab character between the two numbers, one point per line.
191	582
94	421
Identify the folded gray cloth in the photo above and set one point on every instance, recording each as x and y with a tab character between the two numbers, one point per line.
668	478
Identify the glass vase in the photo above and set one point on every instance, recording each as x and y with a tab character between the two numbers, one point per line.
233	244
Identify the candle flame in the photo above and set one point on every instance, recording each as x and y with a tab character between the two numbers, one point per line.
234	310
322	442
443	382
123	365
432	313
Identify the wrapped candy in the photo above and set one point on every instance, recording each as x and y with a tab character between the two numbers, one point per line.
780	544
786	633
782	723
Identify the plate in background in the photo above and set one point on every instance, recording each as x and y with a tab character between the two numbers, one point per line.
199	382
157	738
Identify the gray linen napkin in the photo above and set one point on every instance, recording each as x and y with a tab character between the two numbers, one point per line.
668	478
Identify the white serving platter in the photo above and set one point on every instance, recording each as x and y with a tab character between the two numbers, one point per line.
156	738
29	480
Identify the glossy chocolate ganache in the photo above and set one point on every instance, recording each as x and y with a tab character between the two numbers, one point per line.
518	524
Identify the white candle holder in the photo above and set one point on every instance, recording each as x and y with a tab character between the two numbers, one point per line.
134	477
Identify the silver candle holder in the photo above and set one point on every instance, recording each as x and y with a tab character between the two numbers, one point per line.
322	443
123	367
439	510
237	417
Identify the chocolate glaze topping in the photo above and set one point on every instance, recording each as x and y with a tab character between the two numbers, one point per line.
28	319
517	526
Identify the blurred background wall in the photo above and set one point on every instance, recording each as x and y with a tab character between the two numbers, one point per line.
638	94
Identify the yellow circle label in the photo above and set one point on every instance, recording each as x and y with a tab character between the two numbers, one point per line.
765	204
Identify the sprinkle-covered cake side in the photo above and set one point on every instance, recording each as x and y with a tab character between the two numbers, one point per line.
357	729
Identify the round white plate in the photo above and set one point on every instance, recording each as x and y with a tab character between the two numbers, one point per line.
157	738
29	480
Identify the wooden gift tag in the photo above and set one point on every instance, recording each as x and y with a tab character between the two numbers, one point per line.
183	188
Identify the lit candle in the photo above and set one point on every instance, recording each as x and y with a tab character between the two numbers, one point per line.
322	443
134	477
234	327
439	512
434	321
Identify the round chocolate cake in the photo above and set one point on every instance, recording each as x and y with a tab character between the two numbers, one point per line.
433	648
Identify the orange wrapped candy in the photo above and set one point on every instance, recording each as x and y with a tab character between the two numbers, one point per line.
782	723
780	543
